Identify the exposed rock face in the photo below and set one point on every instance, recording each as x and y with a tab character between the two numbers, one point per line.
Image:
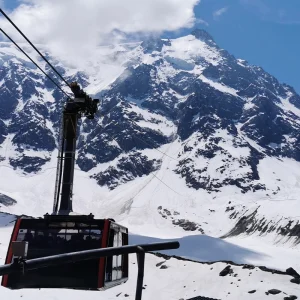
292	297
7	201
250	222
274	292
211	99
292	272
27	163
127	169
174	216
227	270
295	280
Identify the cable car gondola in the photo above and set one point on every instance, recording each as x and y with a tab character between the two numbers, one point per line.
54	235
64	232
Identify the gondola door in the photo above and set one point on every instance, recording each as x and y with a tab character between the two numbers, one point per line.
116	266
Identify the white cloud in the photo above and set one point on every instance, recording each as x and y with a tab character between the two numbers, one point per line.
73	28
201	21
219	12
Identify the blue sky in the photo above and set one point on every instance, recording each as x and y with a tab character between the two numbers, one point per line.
10	4
263	32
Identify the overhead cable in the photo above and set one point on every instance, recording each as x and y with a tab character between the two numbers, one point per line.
25	37
155	148
33	62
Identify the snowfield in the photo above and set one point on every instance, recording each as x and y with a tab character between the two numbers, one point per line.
170	278
135	205
150	205
180	280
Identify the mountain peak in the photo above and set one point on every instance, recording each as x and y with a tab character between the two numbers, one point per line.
203	35
154	44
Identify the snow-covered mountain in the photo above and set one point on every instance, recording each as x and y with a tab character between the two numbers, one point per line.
190	143
188	140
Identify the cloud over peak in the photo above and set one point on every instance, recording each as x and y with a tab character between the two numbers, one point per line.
73	28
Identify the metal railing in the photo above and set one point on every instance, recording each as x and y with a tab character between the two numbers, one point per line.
23	265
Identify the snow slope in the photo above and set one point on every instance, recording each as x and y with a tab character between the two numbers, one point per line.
177	279
159	200
181	280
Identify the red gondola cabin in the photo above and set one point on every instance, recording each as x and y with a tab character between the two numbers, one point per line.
62	234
